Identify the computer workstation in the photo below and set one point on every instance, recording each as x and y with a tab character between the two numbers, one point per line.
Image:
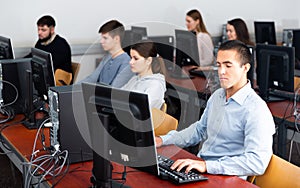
6	48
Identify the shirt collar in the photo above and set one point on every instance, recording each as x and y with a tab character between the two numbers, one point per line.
241	95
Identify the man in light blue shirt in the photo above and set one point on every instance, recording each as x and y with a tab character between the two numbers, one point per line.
114	68
237	126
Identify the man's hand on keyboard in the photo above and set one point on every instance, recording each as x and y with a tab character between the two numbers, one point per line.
158	141
189	164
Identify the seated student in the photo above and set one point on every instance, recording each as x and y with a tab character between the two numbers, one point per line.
236	29
114	68
195	23
51	42
236	125
149	69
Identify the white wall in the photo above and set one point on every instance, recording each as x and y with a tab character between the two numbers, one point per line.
79	21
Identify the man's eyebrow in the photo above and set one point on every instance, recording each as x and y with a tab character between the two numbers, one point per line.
224	62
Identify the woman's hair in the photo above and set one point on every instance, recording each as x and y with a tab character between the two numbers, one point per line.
147	48
241	30
195	14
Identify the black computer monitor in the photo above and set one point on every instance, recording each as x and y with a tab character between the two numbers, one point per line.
265	32
120	129
6	49
275	70
129	39
140	30
165	49
13	84
186	48
296	45
42	72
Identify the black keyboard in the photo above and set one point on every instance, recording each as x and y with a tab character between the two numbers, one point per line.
176	177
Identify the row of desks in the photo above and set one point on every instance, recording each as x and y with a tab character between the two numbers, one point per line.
20	140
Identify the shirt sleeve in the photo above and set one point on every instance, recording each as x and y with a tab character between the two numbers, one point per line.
259	130
189	136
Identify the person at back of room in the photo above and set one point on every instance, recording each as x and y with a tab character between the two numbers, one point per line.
114	67
195	23
53	43
149	69
236	29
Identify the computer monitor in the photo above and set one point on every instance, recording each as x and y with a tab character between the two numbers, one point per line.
186	48
140	30
6	49
265	32
129	39
275	70
120	128
42	72
296	45
13	84
165	49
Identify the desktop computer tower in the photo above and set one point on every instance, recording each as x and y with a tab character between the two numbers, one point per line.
287	37
69	125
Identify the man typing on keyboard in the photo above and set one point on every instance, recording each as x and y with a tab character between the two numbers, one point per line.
236	126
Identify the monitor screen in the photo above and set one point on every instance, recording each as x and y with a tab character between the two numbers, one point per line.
42	72
140	30
296	45
6	49
129	39
165	49
13	85
186	48
120	128
265	32
275	69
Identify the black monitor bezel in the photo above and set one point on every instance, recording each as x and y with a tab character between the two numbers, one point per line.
14	71
42	72
263	55
186	48
258	26
140	30
9	52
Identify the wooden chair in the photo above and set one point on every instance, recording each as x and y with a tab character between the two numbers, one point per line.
75	70
62	77
278	174
163	122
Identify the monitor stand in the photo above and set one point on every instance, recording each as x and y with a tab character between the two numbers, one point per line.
102	174
31	121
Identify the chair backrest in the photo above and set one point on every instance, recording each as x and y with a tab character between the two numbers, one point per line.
62	77
163	122
75	70
279	173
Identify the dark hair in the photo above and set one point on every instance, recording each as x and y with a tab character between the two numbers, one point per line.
114	28
147	48
240	47
195	14
46	20
241	30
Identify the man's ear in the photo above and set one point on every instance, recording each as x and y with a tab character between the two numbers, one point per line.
247	67
52	29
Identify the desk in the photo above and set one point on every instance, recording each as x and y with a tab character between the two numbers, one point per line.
282	112
20	140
